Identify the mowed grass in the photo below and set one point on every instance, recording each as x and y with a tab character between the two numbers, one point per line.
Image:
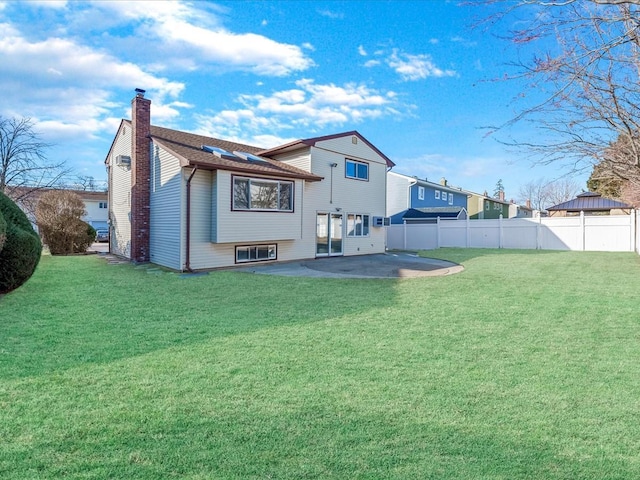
524	366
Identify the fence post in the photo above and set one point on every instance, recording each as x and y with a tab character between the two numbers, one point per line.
500	231
467	241
582	228
404	234
438	232
632	228
539	233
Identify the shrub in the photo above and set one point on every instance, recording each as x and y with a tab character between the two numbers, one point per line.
3	230
21	250
58	216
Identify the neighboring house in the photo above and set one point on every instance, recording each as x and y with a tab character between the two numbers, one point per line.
411	200
190	202
481	206
591	204
95	203
522	211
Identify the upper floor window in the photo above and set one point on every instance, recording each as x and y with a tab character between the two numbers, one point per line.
262	194
357	170
420	193
102	205
451	199
437	194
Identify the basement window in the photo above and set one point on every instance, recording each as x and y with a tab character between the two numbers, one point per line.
256	253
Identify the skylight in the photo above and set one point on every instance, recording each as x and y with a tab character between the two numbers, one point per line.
248	156
219	152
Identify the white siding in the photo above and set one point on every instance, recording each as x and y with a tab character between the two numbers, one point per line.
336	193
252	226
95	215
167	191
120	194
397	193
299	159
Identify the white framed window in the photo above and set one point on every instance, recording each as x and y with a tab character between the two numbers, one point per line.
420	193
451	199
256	253
357	225
486	206
262	194
356	170
437	194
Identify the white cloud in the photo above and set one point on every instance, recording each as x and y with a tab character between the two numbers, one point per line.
62	80
416	67
372	63
331	14
309	108
362	51
185	31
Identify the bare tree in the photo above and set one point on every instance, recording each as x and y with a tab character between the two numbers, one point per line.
587	67
536	192
22	160
543	193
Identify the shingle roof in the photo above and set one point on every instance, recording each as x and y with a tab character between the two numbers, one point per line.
187	147
433	212
589	201
310	142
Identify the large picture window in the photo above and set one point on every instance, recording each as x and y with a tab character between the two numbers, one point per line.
357	225
262	194
357	170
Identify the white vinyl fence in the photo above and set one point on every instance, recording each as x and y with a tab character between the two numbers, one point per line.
607	233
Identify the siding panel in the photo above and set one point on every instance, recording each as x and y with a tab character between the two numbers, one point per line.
166	204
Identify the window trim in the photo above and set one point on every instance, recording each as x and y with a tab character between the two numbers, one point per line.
368	225
420	193
356	163
256	245
261	179
450	198
437	194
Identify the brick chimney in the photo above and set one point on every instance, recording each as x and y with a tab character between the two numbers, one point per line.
443	182
501	195
140	176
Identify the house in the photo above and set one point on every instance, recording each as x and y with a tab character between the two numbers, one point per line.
590	203
95	203
191	202
481	206
522	211
411	200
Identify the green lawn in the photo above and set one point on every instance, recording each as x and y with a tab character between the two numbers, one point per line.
524	366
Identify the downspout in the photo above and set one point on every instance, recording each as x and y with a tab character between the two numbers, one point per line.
187	263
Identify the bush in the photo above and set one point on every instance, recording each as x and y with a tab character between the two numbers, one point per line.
21	250
58	215
3	230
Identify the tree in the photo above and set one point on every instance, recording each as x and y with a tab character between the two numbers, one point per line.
59	218
543	194
22	160
604	183
499	189
587	67
20	252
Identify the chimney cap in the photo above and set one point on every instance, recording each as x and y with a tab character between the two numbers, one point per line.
140	92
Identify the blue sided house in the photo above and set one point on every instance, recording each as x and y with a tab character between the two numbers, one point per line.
411	200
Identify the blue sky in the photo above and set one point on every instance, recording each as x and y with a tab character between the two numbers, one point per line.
411	76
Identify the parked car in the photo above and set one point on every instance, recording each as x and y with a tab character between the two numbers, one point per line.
102	235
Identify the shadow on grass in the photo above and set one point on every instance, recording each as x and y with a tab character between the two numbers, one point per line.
460	255
78	310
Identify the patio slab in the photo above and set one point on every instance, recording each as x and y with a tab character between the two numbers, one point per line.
384	265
